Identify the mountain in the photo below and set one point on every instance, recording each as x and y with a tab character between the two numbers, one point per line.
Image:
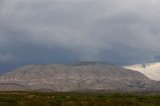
76	77
151	70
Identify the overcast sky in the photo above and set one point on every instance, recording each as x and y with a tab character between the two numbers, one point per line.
62	31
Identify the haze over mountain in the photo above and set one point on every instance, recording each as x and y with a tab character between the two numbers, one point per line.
152	70
76	77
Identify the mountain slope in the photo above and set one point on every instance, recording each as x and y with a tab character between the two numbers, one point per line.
78	77
152	70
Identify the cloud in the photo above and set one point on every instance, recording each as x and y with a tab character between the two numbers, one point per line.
121	32
7	57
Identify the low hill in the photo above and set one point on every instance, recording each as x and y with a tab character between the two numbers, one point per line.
76	77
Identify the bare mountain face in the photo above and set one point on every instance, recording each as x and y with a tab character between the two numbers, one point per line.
77	77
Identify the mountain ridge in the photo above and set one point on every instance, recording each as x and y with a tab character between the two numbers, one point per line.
65	78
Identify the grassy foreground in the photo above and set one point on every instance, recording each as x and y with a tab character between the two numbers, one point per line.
77	99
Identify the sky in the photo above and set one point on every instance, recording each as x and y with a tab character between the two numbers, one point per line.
119	32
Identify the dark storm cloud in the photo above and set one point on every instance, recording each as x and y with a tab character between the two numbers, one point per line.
57	31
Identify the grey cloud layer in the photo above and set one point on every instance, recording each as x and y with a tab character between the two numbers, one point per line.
118	31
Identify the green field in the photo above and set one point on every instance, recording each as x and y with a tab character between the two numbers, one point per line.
78	99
